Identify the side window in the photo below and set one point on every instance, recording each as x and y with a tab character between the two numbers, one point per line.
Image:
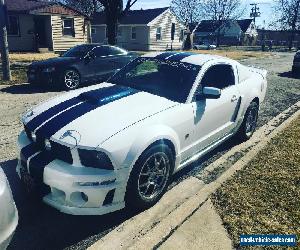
13	28
101	51
218	76
68	27
115	51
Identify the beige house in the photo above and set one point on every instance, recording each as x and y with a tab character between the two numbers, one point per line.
43	26
145	30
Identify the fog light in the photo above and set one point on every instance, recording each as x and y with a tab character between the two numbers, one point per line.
33	136
47	145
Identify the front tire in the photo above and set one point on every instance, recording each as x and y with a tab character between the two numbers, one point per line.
149	177
71	79
248	126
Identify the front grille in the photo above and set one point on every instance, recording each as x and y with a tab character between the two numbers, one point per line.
58	151
61	152
28	133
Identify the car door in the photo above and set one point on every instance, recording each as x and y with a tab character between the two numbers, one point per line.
100	64
215	118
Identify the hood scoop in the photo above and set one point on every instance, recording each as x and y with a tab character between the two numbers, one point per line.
106	95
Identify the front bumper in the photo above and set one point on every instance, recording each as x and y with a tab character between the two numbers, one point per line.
42	78
79	190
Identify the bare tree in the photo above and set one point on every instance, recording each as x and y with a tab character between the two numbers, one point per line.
3	42
289	17
88	7
220	11
187	10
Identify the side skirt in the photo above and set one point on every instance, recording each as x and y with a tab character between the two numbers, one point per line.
203	152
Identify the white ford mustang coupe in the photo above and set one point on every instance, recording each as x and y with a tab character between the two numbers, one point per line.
95	149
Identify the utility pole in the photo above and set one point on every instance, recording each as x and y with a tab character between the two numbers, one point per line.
254	11
4	43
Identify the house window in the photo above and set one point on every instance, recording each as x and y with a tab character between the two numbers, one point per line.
68	27
119	31
93	31
158	33
181	35
133	33
13	28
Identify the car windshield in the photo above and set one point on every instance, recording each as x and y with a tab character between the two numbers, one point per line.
77	51
170	79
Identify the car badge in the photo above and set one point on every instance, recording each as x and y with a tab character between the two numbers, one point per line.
73	134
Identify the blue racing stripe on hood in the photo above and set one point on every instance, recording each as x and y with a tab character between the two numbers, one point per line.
90	100
49	113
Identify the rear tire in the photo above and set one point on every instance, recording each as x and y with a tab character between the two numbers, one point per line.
248	126
149	177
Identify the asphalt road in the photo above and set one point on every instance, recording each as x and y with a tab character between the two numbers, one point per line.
41	227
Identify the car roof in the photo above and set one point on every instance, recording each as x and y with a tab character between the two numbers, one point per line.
188	57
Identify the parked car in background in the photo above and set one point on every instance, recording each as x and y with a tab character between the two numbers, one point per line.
87	63
8	212
205	45
115	143
296	63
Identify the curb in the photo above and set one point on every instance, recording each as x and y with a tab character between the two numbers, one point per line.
151	228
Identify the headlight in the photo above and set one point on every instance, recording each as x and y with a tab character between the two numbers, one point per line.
95	159
48	70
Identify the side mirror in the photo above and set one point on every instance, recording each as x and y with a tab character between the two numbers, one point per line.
211	93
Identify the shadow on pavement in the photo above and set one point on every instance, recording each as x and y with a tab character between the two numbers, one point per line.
27	89
289	74
42	227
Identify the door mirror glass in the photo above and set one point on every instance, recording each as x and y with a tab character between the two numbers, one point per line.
211	93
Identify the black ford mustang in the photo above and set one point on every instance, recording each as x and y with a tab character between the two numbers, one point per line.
86	63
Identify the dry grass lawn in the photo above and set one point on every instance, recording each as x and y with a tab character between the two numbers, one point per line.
30	57
235	54
264	197
18	71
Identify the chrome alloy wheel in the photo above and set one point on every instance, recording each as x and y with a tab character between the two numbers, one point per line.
251	121
153	176
72	79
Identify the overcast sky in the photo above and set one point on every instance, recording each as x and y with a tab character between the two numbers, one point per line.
267	12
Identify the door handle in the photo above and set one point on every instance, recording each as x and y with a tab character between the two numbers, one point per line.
234	98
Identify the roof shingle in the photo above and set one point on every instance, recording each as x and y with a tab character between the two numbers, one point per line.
25	5
132	16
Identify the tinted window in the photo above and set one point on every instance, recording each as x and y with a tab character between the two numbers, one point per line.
101	51
78	51
170	79
218	76
116	51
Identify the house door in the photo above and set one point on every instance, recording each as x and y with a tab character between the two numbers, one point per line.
40	32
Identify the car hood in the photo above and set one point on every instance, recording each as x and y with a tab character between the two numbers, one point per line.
88	117
54	61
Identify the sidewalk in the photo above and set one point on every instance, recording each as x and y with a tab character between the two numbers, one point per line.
185	218
203	230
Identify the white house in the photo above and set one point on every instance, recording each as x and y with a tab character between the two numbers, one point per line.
145	30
